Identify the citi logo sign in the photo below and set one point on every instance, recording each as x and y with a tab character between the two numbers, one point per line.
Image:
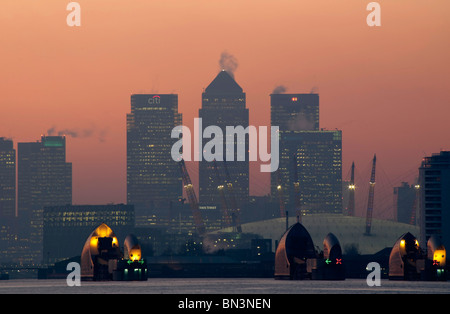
235	136
155	100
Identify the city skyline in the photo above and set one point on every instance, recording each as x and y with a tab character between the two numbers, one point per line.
387	96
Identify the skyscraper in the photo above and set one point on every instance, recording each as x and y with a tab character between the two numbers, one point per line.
308	155
295	112
223	104
153	177
434	184
291	112
44	179
316	157
7	178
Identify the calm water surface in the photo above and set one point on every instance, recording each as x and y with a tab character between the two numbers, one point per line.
221	286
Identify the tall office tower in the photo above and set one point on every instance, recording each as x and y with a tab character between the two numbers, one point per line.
223	104
434	184
315	158
44	179
7	178
153	177
295	112
291	112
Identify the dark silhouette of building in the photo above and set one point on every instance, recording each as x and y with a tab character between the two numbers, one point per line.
309	156
66	227
404	197
153	177
434	182
44	179
223	104
316	157
9	244
7	179
295	112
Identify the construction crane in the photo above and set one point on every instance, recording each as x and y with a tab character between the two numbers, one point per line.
415	206
371	197
235	211
351	193
221	189
188	187
281	196
298	204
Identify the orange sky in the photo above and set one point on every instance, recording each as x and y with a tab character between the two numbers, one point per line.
387	88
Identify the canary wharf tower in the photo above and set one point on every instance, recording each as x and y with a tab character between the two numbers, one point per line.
223	104
153	177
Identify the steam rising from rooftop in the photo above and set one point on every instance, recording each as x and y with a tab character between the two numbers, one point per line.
77	133
228	62
280	89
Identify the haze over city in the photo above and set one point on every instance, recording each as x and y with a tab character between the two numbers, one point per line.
386	88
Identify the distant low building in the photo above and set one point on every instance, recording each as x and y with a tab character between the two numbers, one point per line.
404	205
66	228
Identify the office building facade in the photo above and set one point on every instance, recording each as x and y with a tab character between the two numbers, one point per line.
7	179
44	179
224	104
295	112
153	177
315	157
434	184
66	228
306	151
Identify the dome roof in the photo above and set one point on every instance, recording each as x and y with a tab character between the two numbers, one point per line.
349	230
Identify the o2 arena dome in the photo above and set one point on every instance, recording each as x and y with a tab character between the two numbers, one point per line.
348	229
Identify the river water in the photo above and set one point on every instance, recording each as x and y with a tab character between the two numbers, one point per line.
222	286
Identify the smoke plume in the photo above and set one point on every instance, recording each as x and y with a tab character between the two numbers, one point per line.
301	122
77	133
280	89
228	63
